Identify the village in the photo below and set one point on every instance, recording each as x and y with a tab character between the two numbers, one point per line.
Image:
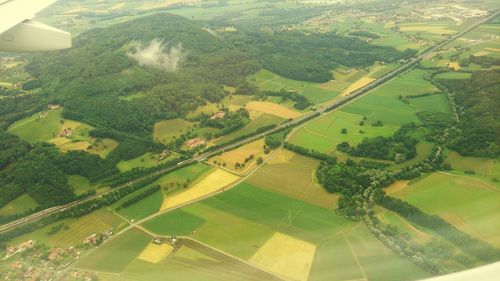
32	261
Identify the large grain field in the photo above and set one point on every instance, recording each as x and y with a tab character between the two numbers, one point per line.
246	154
293	175
213	182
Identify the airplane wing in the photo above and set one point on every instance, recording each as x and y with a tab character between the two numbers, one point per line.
19	33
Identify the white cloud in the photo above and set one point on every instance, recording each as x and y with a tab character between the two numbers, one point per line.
157	55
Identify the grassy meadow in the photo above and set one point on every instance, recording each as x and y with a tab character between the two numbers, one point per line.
39	127
469	203
19	205
166	131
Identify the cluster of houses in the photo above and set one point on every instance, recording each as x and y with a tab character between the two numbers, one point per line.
54	106
39	263
192	143
19	248
218	115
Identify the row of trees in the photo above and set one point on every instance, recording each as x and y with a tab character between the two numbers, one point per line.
76	211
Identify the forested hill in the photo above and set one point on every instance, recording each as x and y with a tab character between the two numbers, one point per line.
311	57
173	62
173	65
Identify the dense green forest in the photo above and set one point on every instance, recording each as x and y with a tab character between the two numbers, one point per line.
478	131
290	53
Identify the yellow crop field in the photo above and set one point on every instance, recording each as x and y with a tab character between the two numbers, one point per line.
436	29
481	53
215	181
272	109
155	253
358	84
164	3
69	146
239	155
286	256
454	65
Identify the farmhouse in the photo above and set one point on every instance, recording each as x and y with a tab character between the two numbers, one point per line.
218	115
20	247
55	254
192	143
16	265
66	133
91	239
164	154
54	106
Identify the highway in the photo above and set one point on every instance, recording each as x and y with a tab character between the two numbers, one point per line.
336	104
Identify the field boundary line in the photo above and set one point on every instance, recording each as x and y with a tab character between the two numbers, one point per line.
355	256
231	256
494	188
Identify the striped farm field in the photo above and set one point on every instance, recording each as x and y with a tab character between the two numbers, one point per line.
293	175
272	109
358	84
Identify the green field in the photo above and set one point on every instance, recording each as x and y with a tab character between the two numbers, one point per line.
431	103
166	131
143	208
323	134
19	205
35	129
290	216
248	216
116	254
177	222
268	81
79	183
485	168
144	161
334	261
189	174
356	254
470	203
453	75
258	122
293	175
